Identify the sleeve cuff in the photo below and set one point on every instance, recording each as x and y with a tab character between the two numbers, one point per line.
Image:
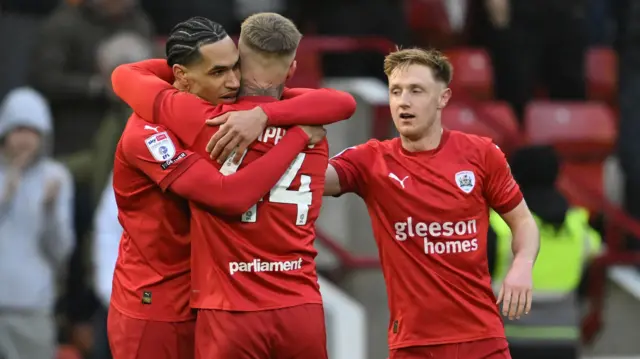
297	131
342	178
271	115
508	206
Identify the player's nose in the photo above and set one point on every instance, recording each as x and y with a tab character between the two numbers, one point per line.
404	101
233	81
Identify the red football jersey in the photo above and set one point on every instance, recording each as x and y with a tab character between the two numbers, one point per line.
430	215
264	259
151	279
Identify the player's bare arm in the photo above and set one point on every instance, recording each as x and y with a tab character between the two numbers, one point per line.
331	182
516	290
241	128
526	238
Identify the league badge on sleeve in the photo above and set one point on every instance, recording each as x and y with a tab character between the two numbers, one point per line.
466	180
161	146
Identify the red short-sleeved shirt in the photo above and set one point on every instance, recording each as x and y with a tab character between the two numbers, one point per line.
152	276
430	216
264	259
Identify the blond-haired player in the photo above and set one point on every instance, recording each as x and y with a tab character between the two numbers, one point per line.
428	193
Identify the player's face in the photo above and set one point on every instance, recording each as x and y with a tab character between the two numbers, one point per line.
216	77
416	99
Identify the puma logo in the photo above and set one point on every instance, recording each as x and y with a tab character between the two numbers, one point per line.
401	181
155	129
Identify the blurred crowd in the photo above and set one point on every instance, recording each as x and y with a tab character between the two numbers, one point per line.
60	122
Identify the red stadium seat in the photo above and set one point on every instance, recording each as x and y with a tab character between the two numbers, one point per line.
309	72
463	118
602	74
473	74
499	116
579	180
585	130
427	15
430	25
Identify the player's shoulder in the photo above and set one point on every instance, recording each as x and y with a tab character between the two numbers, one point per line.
140	135
137	128
372	146
468	143
377	145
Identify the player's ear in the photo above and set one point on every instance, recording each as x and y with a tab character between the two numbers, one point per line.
292	69
445	96
180	75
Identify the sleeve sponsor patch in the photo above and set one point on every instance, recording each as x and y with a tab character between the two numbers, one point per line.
171	161
161	146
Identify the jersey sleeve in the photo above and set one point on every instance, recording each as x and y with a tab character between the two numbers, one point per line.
235	192
351	165
157	153
143	86
501	190
310	107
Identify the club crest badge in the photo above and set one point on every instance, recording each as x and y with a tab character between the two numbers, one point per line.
466	180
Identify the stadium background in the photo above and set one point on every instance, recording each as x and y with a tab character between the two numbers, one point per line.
590	117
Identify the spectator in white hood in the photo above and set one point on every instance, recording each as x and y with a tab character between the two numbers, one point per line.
36	230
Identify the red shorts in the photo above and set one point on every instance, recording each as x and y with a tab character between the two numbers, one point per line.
289	333
131	338
495	348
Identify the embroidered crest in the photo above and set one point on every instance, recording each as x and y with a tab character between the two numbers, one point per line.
466	180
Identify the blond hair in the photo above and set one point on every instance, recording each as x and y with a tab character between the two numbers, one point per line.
270	34
438	63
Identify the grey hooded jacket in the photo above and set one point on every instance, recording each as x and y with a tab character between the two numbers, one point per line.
35	241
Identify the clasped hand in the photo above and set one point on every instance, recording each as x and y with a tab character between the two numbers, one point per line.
238	129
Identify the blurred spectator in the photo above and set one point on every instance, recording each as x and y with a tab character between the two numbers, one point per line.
36	230
94	163
531	41
107	234
91	167
65	65
567	244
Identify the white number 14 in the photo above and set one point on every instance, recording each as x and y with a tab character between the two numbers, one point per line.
280	193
